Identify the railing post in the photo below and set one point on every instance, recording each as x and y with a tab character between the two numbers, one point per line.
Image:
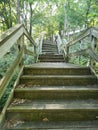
67	51
20	43
35	53
93	47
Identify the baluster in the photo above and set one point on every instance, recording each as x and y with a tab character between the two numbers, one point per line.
93	47
67	51
20	43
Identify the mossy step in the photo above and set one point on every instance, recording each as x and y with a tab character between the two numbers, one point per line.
54	110
55	65
46	70
49	55
49	48
52	60
58	80
49	44
46	125
49	51
60	92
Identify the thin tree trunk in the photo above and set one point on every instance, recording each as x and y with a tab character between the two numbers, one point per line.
87	13
31	13
18	11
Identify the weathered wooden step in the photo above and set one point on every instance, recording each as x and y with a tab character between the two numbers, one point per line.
28	70
75	125
52	60
42	58
58	80
50	48
54	92
49	51
49	44
54	110
49	55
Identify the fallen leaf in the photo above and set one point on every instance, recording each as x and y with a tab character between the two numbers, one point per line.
45	120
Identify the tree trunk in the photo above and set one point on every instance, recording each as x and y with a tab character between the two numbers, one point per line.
18	11
31	13
87	13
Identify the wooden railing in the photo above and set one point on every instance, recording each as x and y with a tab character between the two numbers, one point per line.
90	34
7	40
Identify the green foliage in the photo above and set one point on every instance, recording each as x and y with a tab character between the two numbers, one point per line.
7	92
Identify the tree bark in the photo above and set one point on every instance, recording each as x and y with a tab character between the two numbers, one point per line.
18	12
31	13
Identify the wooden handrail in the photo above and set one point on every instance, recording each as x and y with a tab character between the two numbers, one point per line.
7	40
26	33
9	33
92	54
92	34
81	52
85	34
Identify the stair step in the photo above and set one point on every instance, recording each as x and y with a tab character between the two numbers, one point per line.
58	80
52	60
54	92
50	55
53	53
53	110
56	70
49	48
49	43
56	51
75	125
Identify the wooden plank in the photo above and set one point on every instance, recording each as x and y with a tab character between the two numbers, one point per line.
6	79
10	41
29	37
95	28
84	35
81	52
95	33
28	52
93	54
9	33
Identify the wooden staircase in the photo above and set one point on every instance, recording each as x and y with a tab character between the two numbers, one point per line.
55	95
50	53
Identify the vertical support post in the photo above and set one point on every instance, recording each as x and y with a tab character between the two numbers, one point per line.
35	53
93	47
67	51
20	43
